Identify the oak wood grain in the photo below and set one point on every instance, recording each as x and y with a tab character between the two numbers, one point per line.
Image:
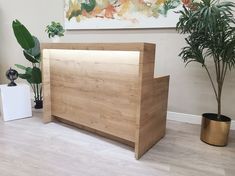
109	88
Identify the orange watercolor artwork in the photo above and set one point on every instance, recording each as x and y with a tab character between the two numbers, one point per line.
115	14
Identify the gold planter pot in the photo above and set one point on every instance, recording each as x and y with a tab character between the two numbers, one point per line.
213	131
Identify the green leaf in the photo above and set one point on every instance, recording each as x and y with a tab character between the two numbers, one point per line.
35	51
168	5
20	66
22	35
89	6
36	75
33	75
30	57
29	72
74	13
24	76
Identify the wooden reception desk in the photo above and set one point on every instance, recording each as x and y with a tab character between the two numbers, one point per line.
108	89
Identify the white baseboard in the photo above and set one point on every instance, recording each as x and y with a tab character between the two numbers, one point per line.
189	118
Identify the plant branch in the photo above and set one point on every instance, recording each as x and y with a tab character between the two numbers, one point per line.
224	74
216	66
40	92
34	91
219	70
37	90
212	83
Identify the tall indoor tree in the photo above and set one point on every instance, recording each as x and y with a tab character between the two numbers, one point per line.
209	25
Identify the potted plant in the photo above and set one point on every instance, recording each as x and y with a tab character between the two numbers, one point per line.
211	36
55	30
31	50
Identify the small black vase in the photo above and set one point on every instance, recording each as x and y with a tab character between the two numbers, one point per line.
38	104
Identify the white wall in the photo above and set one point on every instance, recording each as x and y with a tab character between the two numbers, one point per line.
190	90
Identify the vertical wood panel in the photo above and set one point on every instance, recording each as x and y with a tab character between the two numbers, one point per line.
152	124
96	89
46	82
152	116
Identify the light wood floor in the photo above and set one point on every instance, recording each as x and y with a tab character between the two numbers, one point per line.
31	148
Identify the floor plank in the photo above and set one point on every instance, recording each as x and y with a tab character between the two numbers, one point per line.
29	147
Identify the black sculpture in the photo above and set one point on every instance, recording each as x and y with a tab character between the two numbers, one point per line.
12	75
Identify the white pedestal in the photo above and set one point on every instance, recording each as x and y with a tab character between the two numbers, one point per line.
15	102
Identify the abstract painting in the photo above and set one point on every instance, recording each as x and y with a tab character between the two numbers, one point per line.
119	14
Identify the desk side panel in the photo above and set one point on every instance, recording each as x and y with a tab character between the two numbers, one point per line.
47	117
153	114
152	111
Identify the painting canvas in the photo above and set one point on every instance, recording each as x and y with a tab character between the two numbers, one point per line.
117	14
